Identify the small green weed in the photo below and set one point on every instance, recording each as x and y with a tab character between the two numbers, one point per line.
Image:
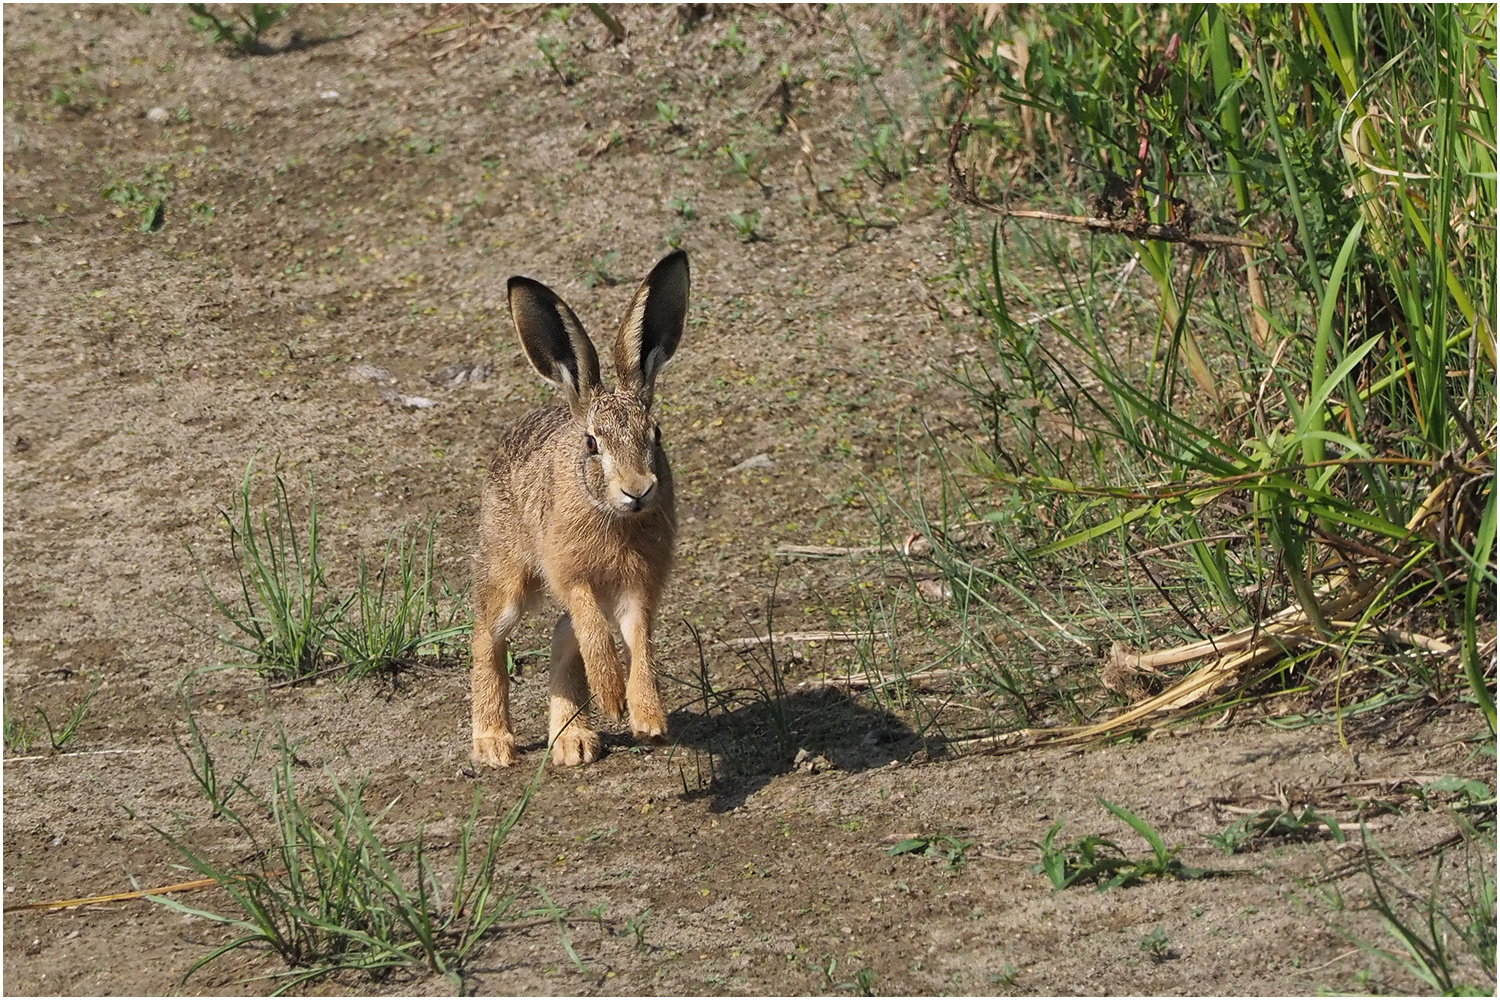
1006	977
1101	861
19	734
683	208
551	49
744	165
670	116
952	851
1246	834
597	271
148	199
746	226
881	156
201	763
1156	944
63	735
1469	796
260	18
635	927
731	40
863	983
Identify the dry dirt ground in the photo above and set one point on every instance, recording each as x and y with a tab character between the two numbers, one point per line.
355	201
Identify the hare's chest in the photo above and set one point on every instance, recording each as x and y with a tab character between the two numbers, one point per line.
618	561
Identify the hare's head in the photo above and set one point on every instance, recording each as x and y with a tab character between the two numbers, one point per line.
615	436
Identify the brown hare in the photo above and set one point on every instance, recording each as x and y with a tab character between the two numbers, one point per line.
579	499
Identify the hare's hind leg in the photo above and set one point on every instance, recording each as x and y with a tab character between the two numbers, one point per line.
500	609
601	663
573	741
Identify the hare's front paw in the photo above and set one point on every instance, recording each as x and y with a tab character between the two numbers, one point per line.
649	726
496	750
575	745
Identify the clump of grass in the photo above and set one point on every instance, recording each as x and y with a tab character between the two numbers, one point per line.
1444	933
21	735
63	734
326	893
395	616
292	624
286	617
1166	461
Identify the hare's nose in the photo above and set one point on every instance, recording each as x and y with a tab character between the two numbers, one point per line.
639	499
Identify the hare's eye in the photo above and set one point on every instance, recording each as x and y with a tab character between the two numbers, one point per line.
591	444
658	433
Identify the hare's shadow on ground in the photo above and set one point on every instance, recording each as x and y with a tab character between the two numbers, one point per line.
725	752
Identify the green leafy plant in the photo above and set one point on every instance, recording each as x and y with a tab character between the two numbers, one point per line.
952	851
1095	859
743	164
731	40
635	928
147	199
1284	824
863	983
245	37
683	208
670	116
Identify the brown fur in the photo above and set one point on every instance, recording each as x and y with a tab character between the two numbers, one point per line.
595	525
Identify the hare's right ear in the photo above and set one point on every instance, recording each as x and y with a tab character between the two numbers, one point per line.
554	341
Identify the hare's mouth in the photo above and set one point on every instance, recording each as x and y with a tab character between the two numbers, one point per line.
629	502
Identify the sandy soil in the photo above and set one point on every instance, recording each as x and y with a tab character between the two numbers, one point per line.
352	202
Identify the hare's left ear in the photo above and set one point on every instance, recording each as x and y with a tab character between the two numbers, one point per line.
653	326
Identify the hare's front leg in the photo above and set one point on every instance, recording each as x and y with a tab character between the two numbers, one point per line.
500	610
573	740
600	661
647	720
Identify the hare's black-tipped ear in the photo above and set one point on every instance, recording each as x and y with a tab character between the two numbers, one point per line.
653	327
554	341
